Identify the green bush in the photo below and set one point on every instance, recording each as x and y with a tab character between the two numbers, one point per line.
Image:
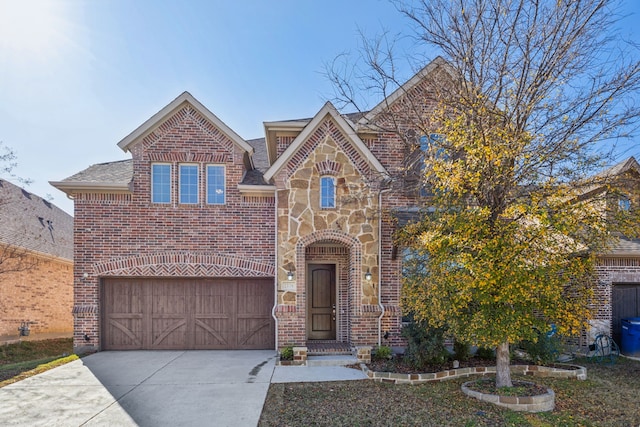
545	350
425	345
286	353
461	350
382	352
485	353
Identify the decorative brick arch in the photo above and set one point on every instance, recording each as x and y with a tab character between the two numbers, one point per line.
167	264
352	286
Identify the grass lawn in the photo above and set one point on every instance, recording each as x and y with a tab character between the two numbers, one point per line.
17	361
609	397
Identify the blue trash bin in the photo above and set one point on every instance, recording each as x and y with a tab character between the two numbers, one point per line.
630	344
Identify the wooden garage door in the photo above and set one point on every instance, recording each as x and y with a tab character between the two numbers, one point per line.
183	313
625	303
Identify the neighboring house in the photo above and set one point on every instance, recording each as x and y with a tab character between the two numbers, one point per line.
36	264
619	269
204	240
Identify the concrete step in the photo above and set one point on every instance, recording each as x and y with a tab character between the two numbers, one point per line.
334	360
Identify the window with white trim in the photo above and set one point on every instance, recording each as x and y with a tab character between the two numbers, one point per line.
327	192
216	190
188	184
161	183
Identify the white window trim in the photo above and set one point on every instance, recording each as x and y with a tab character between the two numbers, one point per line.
333	181
224	183
170	181
180	184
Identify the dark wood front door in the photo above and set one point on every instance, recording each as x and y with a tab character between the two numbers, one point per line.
625	303
187	313
321	302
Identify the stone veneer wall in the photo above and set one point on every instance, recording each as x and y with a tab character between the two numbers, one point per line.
352	225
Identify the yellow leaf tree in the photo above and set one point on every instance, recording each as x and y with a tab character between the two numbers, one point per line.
531	104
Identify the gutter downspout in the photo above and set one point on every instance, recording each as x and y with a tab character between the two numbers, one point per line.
380	266
275	262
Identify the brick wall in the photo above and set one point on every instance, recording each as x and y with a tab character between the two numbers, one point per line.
43	294
126	235
610	271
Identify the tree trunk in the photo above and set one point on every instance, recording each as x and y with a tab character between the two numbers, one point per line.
503	372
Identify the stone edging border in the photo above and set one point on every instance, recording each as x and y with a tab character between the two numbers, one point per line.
573	371
540	403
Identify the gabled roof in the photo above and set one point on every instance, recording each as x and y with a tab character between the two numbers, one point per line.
627	164
175	105
32	223
431	67
106	177
296	144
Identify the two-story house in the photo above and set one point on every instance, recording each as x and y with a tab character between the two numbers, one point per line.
204	240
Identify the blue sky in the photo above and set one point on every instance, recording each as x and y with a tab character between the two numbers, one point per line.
77	76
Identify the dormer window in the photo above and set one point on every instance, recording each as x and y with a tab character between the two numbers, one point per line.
327	192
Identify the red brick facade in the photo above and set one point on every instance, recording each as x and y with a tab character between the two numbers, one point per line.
41	295
268	229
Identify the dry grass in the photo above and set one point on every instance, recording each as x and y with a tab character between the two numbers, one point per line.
18	359
608	398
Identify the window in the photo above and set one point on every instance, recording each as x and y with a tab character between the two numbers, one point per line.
426	141
188	184
327	192
160	183
624	204
215	185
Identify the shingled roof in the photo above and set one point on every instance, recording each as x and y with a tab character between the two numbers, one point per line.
30	222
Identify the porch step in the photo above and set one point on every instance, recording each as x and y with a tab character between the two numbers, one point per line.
328	348
333	360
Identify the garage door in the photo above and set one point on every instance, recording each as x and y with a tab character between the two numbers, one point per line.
625	303
183	313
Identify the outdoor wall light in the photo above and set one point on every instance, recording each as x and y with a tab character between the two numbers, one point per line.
289	275
367	276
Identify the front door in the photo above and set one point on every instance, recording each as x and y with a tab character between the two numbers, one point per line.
321	302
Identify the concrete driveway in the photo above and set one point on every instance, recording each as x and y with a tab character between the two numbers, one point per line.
144	388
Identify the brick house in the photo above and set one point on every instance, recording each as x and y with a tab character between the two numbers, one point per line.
204	240
36	264
618	270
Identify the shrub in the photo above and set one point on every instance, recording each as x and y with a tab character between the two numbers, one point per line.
461	350
286	353
545	350
485	353
382	352
425	345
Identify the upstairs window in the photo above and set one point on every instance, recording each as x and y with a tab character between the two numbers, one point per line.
160	183
426	141
188	184
327	192
624	204
215	185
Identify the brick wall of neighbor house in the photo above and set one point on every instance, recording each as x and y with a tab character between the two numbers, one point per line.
42	294
125	235
610	270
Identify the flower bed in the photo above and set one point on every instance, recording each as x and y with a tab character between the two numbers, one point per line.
556	371
543	401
